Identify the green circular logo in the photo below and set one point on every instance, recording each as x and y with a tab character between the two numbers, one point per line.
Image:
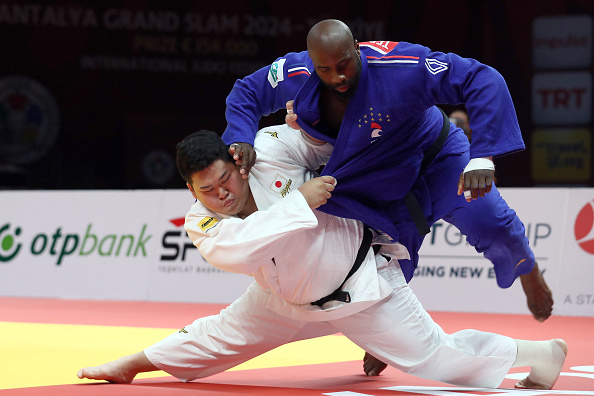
7	242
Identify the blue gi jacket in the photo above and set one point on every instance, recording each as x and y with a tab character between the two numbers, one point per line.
394	105
389	124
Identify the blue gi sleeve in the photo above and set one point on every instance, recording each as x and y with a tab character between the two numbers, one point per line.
262	93
451	79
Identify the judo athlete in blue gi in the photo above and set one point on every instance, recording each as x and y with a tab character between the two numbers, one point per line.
395	153
396	156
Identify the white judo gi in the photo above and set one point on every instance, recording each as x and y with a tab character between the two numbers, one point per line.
297	256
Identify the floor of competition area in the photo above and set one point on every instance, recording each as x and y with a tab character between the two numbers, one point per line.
44	342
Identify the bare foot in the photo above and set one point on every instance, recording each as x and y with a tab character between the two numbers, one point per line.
120	371
546	376
372	366
538	294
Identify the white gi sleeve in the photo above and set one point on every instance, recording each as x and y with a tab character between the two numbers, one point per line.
243	245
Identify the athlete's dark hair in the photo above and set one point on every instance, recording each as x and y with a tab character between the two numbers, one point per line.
198	151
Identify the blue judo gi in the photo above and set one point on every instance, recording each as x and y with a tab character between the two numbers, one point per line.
388	127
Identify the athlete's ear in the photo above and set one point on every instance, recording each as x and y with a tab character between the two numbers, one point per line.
191	190
357	47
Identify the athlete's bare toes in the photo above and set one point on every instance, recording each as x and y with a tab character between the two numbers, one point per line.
111	372
527	384
372	366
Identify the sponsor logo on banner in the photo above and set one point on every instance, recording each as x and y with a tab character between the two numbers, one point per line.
561	155
563	98
445	243
562	42
60	244
64	245
29	120
178	248
9	248
584	228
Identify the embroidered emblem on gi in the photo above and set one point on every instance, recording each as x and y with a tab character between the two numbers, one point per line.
276	73
183	330
207	223
434	66
281	185
273	134
372	119
377	130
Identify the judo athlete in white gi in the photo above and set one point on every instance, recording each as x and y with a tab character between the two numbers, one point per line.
267	227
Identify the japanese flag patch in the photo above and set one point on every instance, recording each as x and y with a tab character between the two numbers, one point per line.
207	224
281	185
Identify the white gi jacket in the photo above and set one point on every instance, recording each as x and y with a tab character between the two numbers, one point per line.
299	254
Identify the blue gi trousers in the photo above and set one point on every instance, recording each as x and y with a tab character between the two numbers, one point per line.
489	224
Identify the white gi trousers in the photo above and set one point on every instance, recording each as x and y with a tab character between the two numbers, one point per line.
396	330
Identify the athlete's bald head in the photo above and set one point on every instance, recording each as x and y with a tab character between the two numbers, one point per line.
335	56
330	34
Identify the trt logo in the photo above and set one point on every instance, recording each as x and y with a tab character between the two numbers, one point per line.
554	98
584	227
563	98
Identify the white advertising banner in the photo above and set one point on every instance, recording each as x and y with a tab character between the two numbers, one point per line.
120	245
452	276
575	289
131	245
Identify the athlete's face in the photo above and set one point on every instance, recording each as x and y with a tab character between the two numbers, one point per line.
338	67
221	189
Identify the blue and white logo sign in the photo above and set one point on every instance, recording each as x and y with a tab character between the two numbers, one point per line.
29	120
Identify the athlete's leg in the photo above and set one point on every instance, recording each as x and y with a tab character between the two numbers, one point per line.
493	228
214	343
399	331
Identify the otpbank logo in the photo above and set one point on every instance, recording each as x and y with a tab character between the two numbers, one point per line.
62	245
584	227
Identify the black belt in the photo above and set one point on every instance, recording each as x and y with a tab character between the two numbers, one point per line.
409	199
341	295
